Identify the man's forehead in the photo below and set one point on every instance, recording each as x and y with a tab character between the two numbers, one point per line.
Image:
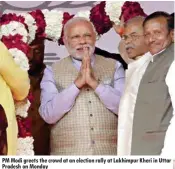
156	21
132	28
155	25
80	24
36	46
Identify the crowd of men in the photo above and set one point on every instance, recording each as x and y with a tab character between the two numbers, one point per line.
94	102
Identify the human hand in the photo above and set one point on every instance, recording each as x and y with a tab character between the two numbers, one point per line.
90	77
80	81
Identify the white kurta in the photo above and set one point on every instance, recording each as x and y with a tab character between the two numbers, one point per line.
134	74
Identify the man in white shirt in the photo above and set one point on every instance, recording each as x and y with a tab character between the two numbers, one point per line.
153	110
138	52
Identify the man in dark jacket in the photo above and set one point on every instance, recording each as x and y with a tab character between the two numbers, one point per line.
115	56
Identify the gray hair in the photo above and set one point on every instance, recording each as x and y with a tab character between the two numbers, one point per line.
135	19
74	20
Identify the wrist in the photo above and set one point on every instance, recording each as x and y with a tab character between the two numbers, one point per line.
78	84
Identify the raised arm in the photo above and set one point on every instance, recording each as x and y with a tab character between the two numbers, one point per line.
14	76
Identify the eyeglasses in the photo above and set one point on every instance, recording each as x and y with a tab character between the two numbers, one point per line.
133	37
76	38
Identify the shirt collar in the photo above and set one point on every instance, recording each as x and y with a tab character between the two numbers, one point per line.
141	59
152	60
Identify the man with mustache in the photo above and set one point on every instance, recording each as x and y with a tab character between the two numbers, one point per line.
80	96
137	51
153	109
129	10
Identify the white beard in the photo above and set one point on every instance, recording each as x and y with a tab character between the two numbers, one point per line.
75	55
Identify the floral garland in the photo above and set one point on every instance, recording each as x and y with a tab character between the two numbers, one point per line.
31	24
53	20
40	23
17	31
14	34
13	28
102	16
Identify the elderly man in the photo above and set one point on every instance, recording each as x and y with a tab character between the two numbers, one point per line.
129	10
153	109
14	85
80	96
137	51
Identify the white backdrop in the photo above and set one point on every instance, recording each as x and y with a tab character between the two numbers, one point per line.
108	41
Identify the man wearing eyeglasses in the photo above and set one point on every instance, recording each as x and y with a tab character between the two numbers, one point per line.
80	95
146	126
137	50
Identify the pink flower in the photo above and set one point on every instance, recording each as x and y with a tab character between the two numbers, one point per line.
24	127
99	18
40	22
15	42
7	18
130	10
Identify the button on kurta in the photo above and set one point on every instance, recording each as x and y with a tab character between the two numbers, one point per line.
93	142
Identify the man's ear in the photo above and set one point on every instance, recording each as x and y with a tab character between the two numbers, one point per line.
64	40
172	35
